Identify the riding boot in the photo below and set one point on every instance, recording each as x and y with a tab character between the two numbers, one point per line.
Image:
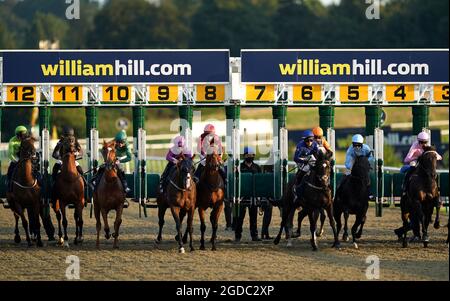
11	169
123	180
55	171
164	176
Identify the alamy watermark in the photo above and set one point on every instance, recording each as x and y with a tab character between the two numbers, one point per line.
373	270
373	10
73	9
73	270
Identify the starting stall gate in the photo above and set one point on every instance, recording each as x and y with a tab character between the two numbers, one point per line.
189	79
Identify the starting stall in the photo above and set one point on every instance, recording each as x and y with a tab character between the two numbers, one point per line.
189	79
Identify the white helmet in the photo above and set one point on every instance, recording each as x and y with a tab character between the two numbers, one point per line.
423	136
358	139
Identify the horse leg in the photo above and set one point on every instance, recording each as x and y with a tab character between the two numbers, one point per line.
59	218
201	214
363	221
25	224
190	228
301	215
81	222
176	217
345	235
438	209
322	222
337	218
64	223
105	222
117	224
286	212
426	222
313	215
329	210
214	218
98	225
16	230
37	224
75	217
358	222
161	212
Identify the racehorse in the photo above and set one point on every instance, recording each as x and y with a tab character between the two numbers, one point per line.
69	189
422	196
25	192
313	194
180	196
352	197
211	193
109	195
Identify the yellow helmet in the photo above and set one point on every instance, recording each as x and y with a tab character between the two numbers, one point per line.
317	131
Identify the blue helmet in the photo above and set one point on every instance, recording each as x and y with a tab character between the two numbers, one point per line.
307	134
249	150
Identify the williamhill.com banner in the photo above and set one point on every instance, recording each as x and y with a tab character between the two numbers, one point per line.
345	66
115	66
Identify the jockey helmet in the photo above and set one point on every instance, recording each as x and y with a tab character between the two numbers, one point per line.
423	136
68	131
358	139
179	141
21	130
209	128
121	137
307	134
317	131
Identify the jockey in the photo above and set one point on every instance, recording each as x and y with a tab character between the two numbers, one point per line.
67	132
174	154
305	154
357	149
13	151
320	139
123	155
415	151
207	143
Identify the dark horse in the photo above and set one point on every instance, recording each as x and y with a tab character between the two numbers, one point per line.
25	192
211	193
109	195
69	189
352	197
313	194
422	195
180	197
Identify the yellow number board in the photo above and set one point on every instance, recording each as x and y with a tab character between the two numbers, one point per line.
400	93
116	94
307	93
164	93
263	93
441	93
67	94
215	93
21	94
354	93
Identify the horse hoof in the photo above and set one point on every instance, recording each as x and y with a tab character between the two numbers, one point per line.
115	246
319	233
60	241
345	237
181	250
107	236
114	235
39	243
192	249
405	243
75	241
414	239
80	240
177	237
355	245
315	249
336	245
202	248
358	235
436	225
158	241
425	244
289	244
184	240
66	244
30	244
213	248
296	235
17	239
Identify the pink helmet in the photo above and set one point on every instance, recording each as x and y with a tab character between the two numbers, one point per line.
423	136
179	141
209	128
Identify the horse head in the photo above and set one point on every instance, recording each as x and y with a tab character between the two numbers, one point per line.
361	168
213	161
68	146
322	168
109	154
428	160
27	149
185	167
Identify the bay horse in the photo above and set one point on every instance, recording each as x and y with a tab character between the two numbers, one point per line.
25	193
211	193
422	195
312	194
109	195
180	196
352	197
69	190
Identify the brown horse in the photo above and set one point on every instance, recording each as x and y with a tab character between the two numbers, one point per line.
109	195
211	192
69	190
25	192
180	196
422	196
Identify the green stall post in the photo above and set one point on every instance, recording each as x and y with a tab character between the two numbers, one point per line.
374	139
140	177
421	118
44	134
233	114
279	114
326	122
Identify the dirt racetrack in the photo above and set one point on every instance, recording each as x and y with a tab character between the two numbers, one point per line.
139	258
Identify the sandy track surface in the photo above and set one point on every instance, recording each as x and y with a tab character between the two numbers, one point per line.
139	258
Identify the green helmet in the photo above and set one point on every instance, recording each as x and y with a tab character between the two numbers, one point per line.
21	129
121	136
